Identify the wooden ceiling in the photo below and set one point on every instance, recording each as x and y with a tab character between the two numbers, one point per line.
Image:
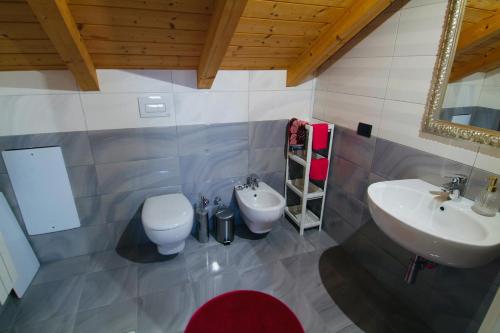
207	35
478	48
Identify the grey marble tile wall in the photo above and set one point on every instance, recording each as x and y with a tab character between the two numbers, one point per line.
112	172
448	299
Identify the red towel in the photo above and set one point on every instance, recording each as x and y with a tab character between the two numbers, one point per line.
319	168
320	136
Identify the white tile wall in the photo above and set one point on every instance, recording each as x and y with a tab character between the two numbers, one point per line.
118	110
348	110
418	3
207	107
383	81
408	44
26	114
37	82
231	81
185	81
401	123
49	101
380	43
273	105
274	80
120	81
360	76
419	30
410	78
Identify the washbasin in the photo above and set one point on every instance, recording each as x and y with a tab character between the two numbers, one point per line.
445	232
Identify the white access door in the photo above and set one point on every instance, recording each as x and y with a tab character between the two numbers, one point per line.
23	258
41	184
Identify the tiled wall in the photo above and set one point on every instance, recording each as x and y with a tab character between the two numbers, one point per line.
112	172
50	102
115	159
449	299
385	79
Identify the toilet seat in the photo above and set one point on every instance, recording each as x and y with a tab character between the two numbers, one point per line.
166	212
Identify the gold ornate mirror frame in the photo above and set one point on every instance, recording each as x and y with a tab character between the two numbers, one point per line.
431	122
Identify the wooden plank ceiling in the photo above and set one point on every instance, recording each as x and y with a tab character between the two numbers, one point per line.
478	48
174	34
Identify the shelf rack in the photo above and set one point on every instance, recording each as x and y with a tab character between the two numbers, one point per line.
302	187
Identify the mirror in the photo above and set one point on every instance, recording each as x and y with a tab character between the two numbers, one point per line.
465	95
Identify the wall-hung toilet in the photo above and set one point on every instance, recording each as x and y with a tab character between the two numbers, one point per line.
167	221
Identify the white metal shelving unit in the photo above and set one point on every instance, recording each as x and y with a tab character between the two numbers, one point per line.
300	214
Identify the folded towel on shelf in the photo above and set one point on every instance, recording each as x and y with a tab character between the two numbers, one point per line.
320	136
319	168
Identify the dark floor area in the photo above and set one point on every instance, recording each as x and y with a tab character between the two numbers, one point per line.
361	297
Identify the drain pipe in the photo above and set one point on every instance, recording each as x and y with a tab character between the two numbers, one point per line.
416	264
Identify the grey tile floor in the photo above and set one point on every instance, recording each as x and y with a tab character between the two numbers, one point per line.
105	293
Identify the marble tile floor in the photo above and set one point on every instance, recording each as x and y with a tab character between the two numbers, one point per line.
370	306
104	292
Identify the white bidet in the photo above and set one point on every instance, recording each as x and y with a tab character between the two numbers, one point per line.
260	207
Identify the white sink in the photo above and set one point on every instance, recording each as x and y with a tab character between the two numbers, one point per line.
445	232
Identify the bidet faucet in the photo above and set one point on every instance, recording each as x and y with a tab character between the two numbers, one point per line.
455	188
253	181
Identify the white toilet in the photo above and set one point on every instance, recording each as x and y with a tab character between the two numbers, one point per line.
167	220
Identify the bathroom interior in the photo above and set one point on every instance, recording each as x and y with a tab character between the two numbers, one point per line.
249	166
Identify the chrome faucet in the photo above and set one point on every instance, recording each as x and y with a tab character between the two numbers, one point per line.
455	187
253	181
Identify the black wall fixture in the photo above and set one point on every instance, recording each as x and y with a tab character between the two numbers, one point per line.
365	129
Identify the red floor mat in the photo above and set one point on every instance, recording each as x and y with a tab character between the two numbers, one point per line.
244	311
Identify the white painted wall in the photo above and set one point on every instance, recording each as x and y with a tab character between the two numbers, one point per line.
49	101
385	79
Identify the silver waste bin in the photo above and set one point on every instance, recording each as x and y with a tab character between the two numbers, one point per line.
224	225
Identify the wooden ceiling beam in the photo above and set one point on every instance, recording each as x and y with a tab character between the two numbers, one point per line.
223	24
356	17
59	25
480	63
479	33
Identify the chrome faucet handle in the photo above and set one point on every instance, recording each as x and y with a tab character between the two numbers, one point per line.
254	178
253	181
456	186
458	178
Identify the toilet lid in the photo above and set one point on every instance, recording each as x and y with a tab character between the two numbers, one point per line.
167	211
